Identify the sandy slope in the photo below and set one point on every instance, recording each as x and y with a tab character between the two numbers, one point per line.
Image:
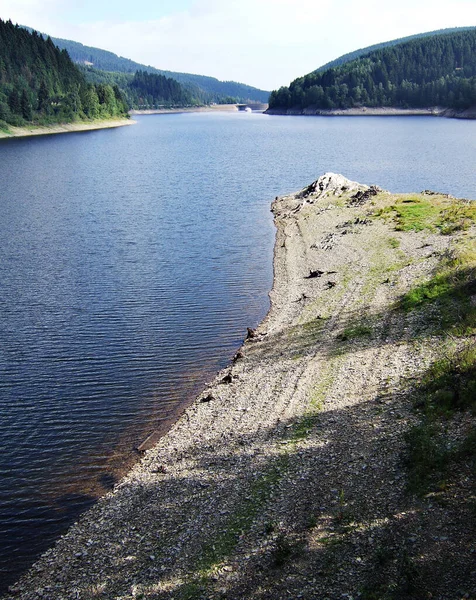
64	128
285	478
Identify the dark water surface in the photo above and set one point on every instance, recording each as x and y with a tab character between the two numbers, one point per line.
131	262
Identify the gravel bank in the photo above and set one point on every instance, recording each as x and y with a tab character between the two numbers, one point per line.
383	111
285	478
64	128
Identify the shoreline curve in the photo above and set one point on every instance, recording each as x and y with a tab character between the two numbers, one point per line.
28	131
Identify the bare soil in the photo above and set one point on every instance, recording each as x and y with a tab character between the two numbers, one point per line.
64	128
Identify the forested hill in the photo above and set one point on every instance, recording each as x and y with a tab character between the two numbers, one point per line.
358	53
39	83
203	88
434	71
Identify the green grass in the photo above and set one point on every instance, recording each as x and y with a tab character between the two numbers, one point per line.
304	426
191	591
4	127
419	213
216	551
451	290
450	384
393	242
459	217
356	331
427	457
416	215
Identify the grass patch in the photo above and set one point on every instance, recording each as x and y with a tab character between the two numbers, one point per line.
416	215
459	217
427	457
356	331
215	552
451	289
393	242
450	383
419	213
448	386
190	591
4	128
304	426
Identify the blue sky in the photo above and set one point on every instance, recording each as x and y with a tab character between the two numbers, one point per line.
265	43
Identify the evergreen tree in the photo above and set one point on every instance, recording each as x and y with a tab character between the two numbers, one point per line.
14	102
39	82
25	106
43	97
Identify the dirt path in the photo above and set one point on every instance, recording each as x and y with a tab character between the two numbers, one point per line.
285	479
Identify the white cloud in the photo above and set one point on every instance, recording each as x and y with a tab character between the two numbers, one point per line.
266	43
35	13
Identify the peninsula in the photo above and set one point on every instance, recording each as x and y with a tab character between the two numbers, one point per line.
334	458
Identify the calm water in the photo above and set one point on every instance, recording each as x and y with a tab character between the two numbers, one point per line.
131	263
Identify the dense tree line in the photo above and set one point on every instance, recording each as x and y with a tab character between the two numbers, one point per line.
39	83
148	90
435	71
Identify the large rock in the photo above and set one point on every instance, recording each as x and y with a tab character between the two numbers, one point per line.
331	184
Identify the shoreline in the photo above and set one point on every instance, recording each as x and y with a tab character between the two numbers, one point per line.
434	111
171	111
296	444
31	130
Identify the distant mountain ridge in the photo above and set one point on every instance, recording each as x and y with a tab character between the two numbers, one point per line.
210	89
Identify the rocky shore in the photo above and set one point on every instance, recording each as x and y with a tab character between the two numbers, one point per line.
287	477
434	111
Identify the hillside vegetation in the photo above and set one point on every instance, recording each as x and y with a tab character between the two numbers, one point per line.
345	58
434	71
202	89
39	83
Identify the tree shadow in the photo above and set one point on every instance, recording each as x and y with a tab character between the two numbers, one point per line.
277	515
309	509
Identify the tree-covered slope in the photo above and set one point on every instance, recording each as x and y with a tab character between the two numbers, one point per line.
203	88
148	90
345	58
439	70
39	83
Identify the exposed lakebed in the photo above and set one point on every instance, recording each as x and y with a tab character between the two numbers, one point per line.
132	262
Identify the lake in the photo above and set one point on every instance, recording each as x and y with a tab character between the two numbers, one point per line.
133	260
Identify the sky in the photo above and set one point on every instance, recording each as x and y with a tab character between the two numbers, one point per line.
264	43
